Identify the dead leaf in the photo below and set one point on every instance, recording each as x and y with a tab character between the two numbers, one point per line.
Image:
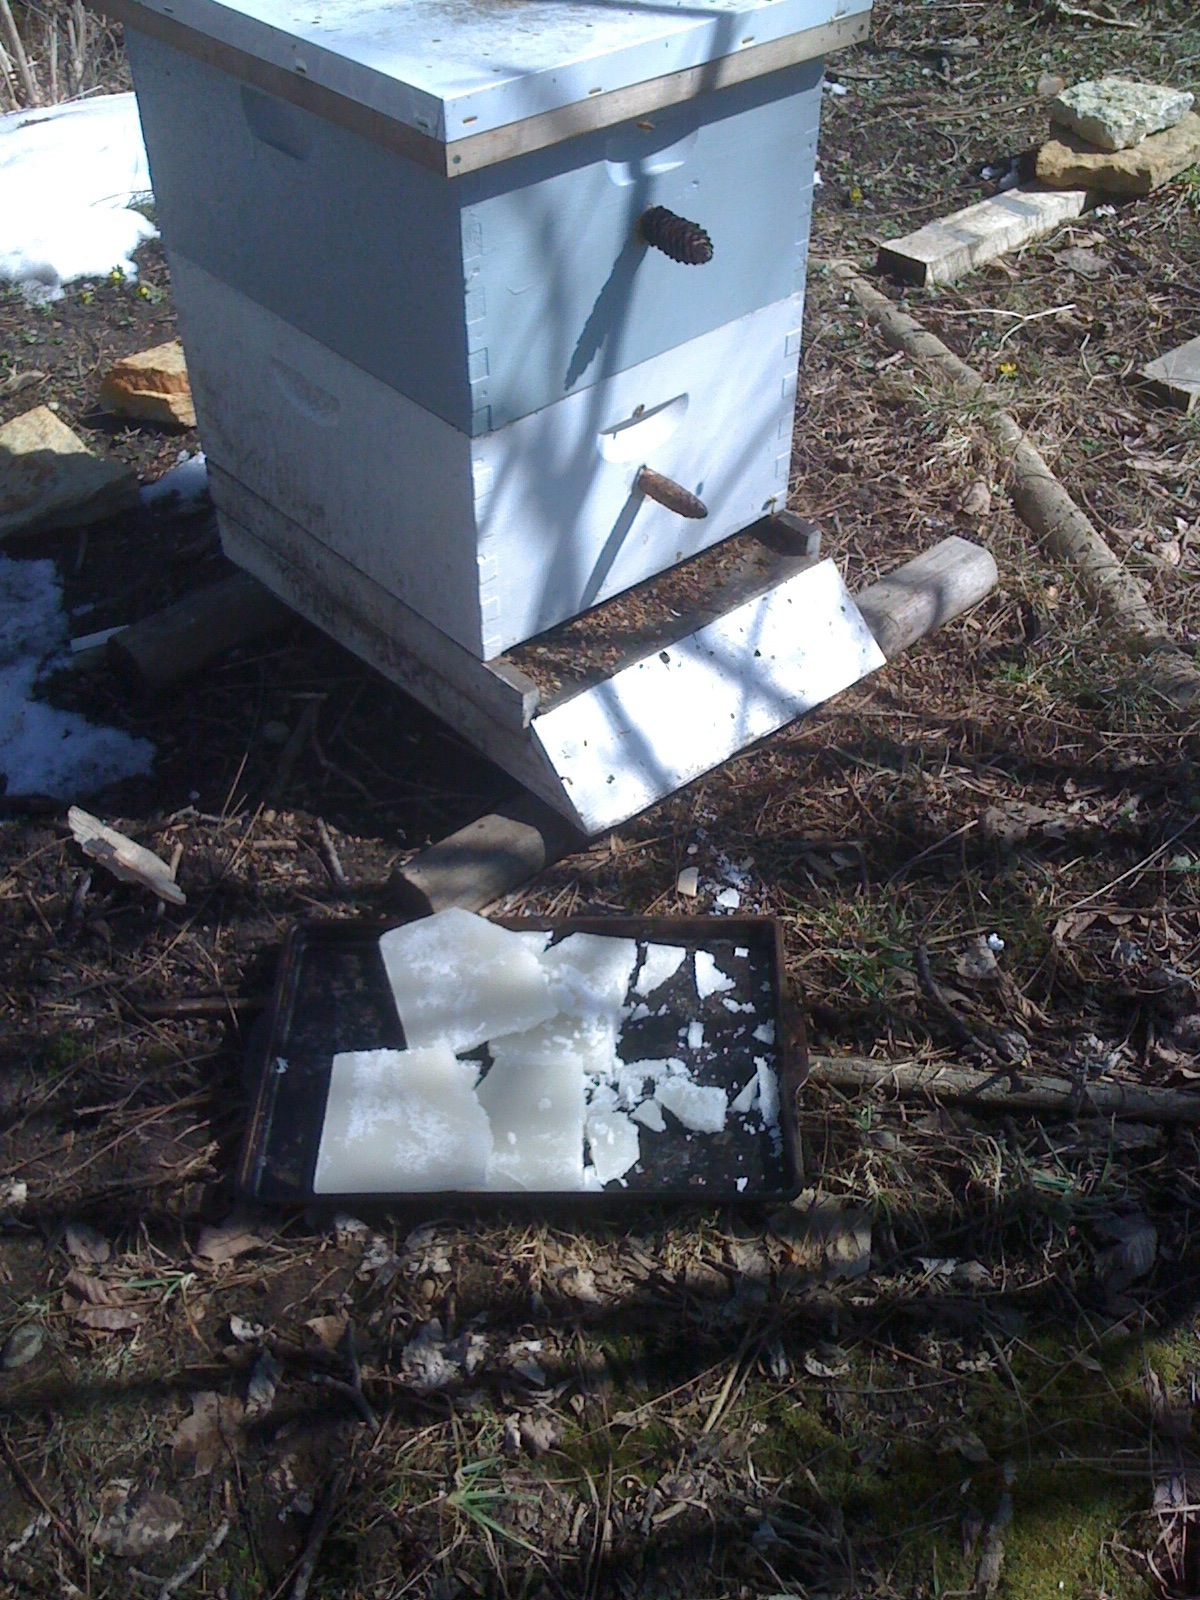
827	1235
1087	263
139	1524
978	963
540	1433
260	1392
245	1332
108	1319
579	1283
85	1244
329	1330
126	860
826	1361
1132	1256
966	1443
977	501
234	1237
93	1290
213	1426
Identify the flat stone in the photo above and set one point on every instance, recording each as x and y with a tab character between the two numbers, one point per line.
50	479
1070	163
152	386
1117	113
1175	377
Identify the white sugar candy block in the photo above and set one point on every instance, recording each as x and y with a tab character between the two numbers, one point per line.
709	977
695	1035
600	1096
661	961
741	952
744	1101
533	939
536	1112
737	1005
702	1110
614	1144
402	1120
459	979
589	973
632	1078
765	1033
768	1092
586	1041
649	1114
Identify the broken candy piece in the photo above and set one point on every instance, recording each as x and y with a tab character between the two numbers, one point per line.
695	1035
702	1110
768	1092
614	1144
536	1111
709	977
661	961
649	1114
584	1040
399	1120
589	973
458	979
745	1100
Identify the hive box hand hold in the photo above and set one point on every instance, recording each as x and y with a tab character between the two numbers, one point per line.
457	282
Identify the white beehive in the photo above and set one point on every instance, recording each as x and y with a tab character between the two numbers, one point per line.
461	283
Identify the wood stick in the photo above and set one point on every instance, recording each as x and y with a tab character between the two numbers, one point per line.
1040	500
18	54
1029	1092
486	860
158	651
927	592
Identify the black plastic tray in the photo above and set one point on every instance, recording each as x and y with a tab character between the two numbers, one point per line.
332	994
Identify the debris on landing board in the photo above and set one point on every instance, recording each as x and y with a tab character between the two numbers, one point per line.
943	251
1069	162
125	859
152	386
50	479
1175	377
1115	113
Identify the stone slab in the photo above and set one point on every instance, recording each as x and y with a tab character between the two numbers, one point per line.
943	251
1175	377
1069	163
151	385
1117	113
50	479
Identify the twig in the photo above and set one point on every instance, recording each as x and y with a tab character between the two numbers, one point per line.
18	54
322	1517
332	860
923	1080
1038	498
33	1494
211	1547
1059	8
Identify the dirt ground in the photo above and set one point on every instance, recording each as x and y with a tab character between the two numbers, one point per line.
968	1362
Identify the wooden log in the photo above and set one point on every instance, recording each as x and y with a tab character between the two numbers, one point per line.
158	651
1030	1092
927	592
945	250
1039	499
487	859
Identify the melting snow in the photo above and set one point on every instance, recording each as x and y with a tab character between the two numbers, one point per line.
69	177
44	750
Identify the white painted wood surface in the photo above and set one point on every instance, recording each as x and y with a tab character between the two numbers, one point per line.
495	539
942	251
451	70
679	712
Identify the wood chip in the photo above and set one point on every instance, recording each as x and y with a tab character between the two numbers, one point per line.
125	859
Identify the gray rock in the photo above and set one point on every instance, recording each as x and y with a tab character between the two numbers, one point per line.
1114	113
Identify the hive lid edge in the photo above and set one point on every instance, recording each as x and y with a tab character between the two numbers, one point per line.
466	117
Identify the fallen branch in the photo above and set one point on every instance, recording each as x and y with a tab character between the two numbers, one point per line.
1039	499
211	1546
1059	8
1026	1092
